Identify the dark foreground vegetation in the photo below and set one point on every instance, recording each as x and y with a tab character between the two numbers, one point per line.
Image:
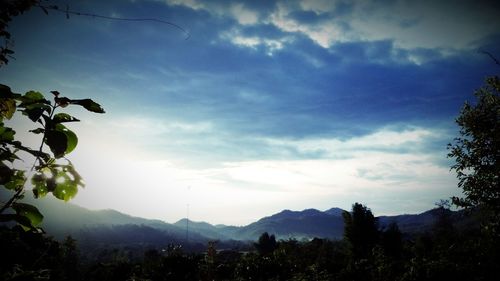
447	252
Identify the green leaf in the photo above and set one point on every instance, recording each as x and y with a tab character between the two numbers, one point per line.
7	107
64	117
21	220
17	180
71	138
66	188
61	140
35	110
57	142
30	212
34	105
39	183
33	96
6	134
7	102
89	104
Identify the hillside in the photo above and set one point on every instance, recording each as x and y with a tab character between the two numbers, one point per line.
110	227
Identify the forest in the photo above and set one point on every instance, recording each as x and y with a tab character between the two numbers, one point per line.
367	251
446	252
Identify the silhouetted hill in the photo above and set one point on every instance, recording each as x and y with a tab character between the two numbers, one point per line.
304	224
334	212
99	227
206	229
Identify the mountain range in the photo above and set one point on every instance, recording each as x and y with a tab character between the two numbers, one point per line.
110	227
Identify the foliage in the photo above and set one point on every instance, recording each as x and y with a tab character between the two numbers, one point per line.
266	244
477	153
444	253
360	230
8	10
52	172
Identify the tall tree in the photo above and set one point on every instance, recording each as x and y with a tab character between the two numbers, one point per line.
360	230
266	244
477	153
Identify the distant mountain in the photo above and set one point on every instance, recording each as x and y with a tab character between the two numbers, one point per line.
110	227
304	224
334	212
207	230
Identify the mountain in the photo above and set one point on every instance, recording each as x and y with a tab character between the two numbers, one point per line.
304	224
110	227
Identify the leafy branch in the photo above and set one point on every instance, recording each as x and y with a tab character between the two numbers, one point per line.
53	173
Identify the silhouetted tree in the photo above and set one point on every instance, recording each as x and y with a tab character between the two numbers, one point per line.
360	230
391	241
266	244
477	153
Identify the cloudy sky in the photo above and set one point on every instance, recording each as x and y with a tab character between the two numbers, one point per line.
263	105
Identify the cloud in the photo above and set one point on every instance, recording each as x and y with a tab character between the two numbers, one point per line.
243	15
372	167
444	26
270	45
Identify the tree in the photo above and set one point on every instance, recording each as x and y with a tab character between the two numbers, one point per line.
267	244
477	153
391	240
360	230
8	10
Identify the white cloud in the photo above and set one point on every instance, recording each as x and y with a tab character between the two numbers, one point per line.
243	15
372	170
193	4
254	42
383	140
446	26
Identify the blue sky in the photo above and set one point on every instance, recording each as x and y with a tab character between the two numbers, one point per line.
268	105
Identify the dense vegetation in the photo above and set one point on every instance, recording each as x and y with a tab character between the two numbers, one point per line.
366	252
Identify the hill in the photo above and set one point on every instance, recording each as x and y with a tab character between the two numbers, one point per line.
110	227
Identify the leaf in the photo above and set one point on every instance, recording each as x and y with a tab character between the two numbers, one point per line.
6	92
71	138
66	188
62	102
89	104
34	110
33	114
21	220
61	140
37	131
34	104
7	107
6	173
57	142
17	180
7	155
63	117
28	211
39	182
6	134
33	96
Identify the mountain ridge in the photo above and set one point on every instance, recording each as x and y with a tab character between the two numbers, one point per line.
62	219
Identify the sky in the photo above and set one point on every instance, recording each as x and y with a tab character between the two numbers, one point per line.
259	106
